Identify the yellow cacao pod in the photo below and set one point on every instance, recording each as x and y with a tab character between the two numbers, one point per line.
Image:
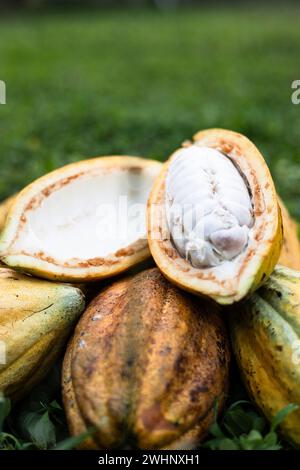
290	253
36	318
85	221
4	209
265	336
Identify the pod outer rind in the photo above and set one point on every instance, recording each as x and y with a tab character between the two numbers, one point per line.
258	262
146	365
290	253
36	318
4	210
41	264
265	332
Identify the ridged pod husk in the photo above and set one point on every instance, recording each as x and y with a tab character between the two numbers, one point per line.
265	333
256	262
146	365
36	318
290	253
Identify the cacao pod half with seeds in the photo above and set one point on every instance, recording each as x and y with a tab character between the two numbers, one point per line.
36	318
146	366
265	333
214	224
82	222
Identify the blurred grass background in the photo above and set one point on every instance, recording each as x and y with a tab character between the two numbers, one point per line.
140	82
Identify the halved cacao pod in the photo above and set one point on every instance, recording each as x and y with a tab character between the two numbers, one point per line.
146	365
214	224
265	333
290	252
36	318
83	222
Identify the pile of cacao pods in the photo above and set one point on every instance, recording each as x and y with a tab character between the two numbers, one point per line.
149	356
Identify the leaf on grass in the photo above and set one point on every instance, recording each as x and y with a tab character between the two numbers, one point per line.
74	441
40	429
237	422
7	441
244	429
282	414
271	441
227	444
216	431
252	441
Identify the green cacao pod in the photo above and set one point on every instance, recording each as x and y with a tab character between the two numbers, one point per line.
146	365
36	318
265	333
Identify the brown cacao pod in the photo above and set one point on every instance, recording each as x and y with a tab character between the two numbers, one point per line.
146	365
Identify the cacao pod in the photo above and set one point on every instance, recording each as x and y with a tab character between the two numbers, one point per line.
36	318
214	223
146	365
265	336
4	209
83	222
290	253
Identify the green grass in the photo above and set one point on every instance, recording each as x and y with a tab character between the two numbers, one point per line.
95	83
